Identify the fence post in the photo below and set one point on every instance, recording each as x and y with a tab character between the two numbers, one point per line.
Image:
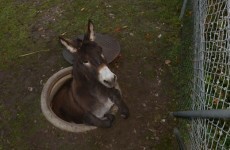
215	114
183	9
179	139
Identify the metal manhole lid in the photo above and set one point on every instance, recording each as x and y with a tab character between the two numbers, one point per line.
110	47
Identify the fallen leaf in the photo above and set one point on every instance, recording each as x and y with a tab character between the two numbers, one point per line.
41	82
148	37
134	131
190	13
143	104
63	33
112	15
131	34
30	89
40	29
167	62
117	29
159	36
215	101
83	9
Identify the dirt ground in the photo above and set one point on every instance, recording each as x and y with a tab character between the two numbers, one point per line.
144	74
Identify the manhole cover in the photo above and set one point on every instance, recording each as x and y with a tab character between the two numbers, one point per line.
110	47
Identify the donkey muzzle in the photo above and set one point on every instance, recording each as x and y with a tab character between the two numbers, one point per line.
106	77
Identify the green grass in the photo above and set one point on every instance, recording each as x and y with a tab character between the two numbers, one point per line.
15	32
19	18
14	29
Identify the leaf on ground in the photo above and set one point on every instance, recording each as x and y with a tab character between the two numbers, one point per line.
131	34
215	101
124	27
117	29
148	37
159	36
168	62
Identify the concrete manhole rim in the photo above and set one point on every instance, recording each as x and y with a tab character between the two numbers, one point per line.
49	89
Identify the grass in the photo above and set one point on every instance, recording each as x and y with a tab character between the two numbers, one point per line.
19	18
136	24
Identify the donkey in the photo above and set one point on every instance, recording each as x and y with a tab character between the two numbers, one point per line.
88	97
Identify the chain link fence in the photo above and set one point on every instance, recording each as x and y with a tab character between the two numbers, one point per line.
211	82
209	71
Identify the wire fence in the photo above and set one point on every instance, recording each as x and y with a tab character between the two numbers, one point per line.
211	81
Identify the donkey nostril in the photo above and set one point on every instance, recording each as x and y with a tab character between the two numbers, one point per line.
107	82
115	77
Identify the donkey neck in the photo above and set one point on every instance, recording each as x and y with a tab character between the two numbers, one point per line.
83	84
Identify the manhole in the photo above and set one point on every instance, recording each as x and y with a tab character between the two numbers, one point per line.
110	47
49	90
54	83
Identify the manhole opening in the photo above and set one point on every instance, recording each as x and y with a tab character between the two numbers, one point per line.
52	86
57	101
50	89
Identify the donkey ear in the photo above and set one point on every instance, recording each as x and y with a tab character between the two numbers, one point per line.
91	31
68	44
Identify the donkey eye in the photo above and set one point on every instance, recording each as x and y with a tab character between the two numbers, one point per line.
86	63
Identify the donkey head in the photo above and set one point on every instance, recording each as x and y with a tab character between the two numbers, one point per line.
89	62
